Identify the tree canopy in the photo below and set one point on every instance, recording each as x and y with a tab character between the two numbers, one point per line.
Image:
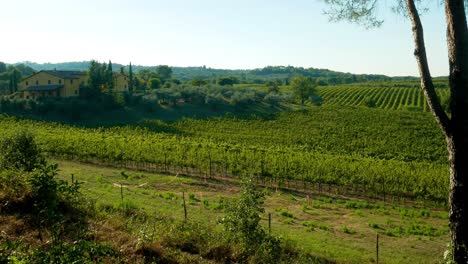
303	87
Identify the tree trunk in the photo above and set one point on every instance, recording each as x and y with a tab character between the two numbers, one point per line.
457	142
456	127
458	159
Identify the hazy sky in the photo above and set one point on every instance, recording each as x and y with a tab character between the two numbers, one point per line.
235	34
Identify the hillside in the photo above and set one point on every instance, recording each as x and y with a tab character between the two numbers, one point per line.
254	75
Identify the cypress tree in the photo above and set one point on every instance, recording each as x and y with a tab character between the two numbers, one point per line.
110	77
130	77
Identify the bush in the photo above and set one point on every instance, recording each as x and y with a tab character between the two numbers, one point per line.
20	151
242	221
369	102
48	193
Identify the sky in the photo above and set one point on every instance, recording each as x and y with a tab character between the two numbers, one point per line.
228	34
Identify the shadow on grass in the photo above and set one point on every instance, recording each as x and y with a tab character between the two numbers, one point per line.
156	118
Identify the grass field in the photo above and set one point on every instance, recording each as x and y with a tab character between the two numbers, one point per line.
339	229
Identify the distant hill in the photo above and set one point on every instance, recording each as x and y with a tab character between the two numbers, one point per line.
252	76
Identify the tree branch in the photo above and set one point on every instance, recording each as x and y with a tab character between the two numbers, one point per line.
357	11
426	79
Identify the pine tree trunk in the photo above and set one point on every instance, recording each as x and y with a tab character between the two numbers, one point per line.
457	139
456	127
458	199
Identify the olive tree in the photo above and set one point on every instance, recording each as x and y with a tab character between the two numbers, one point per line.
455	125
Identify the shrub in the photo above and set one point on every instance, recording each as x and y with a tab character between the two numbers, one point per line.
20	151
369	102
242	221
48	192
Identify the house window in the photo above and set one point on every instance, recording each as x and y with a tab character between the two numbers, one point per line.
27	96
60	81
37	82
27	83
48	82
71	81
76	92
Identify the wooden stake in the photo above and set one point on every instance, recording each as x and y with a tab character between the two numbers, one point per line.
377	248
121	192
269	223
185	206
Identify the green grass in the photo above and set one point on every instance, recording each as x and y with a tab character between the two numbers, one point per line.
335	232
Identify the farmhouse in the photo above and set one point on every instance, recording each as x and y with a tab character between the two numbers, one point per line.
121	82
53	84
63	84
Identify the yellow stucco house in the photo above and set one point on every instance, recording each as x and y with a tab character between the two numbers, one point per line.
63	84
53	84
121	82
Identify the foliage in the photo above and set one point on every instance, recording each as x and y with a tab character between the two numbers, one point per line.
48	193
154	83
198	82
80	251
260	75
227	81
335	145
303	87
164	72
242	219
242	225
3	67
20	151
385	95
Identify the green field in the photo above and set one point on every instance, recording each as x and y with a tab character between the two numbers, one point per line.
336	228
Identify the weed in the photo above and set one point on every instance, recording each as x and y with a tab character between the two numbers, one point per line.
359	213
324	199
193	198
348	230
127	207
311	225
284	212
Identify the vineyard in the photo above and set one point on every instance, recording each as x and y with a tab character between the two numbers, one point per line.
384	95
383	153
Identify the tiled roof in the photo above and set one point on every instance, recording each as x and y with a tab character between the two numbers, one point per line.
67	74
43	88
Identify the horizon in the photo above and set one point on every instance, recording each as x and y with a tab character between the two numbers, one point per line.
208	67
222	35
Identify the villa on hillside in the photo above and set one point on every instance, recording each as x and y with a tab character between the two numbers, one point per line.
121	82
52	83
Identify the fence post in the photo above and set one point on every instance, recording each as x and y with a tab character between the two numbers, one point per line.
377	249
185	206
269	223
121	192
383	187
210	167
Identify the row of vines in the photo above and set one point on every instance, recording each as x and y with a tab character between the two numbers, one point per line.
280	150
402	97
